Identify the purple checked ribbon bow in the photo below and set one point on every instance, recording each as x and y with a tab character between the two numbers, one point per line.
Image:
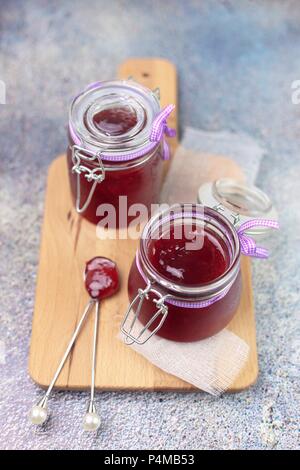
248	244
160	128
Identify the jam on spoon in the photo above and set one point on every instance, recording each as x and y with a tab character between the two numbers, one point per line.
101	280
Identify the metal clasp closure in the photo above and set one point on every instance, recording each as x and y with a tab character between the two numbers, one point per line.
96	175
161	310
235	215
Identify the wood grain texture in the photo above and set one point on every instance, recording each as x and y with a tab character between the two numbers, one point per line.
156	73
68	241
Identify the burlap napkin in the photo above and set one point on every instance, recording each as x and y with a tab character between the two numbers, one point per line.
211	364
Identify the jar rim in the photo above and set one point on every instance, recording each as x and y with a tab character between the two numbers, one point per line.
207	215
109	93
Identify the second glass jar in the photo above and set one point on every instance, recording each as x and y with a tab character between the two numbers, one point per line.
199	285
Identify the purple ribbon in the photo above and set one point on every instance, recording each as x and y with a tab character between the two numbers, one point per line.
182	303
158	131
248	244
92	86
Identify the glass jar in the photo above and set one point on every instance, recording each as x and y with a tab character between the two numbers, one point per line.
185	283
241	203
116	148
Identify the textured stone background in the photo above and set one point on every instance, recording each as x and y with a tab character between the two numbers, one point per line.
236	62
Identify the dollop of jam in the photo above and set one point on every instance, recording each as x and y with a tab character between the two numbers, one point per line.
115	121
101	278
197	257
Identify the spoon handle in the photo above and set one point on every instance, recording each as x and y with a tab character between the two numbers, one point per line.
39	413
94	356
69	347
92	419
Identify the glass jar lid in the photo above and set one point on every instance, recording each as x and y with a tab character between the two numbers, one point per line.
140	105
240	202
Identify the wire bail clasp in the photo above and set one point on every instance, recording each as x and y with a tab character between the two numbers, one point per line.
235	215
161	310
247	242
95	175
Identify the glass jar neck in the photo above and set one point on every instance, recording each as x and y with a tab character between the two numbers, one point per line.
241	198
123	97
208	220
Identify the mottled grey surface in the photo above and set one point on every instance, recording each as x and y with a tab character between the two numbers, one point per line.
236	62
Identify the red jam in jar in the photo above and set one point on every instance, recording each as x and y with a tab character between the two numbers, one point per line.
110	153
172	259
115	121
191	256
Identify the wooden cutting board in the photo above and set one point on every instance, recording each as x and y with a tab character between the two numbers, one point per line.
67	242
